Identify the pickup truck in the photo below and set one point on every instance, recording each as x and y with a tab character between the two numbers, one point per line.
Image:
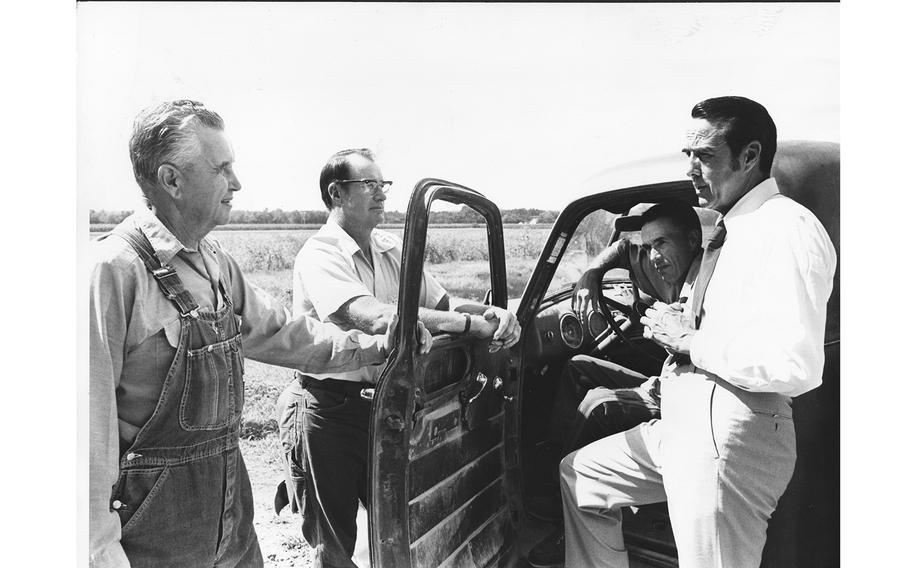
452	465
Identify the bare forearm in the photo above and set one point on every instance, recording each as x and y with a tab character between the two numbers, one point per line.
465	306
449	321
368	314
373	317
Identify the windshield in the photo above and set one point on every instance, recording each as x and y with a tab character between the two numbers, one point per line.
590	238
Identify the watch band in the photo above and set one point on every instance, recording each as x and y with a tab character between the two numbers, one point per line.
467	324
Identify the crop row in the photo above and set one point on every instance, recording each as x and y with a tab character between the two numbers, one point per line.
276	250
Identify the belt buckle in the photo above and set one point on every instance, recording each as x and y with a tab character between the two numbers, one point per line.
367	393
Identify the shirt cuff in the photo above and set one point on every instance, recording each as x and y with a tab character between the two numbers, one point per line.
373	348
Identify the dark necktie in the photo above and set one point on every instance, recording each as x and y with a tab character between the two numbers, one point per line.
708	262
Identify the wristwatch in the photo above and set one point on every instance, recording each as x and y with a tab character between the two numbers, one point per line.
467	324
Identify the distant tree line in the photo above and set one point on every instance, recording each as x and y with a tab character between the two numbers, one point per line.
464	215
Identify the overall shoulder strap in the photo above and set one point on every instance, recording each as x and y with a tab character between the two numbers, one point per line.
165	275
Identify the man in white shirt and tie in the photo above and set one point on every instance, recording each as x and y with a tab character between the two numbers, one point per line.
724	450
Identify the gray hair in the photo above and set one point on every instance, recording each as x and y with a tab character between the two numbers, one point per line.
167	133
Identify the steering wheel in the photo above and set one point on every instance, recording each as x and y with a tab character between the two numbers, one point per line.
617	330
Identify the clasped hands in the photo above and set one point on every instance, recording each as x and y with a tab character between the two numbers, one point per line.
668	326
498	323
424	337
502	326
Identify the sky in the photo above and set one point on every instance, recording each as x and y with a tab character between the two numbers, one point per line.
520	102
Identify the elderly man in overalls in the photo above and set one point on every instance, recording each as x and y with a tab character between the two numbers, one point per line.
171	320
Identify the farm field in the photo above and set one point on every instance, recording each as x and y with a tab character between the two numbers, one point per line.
456	256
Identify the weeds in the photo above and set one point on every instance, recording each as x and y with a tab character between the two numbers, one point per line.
276	250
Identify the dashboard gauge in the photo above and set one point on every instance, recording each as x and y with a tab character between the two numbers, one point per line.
570	329
597	323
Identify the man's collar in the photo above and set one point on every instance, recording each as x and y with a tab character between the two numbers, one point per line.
753	199
165	244
694	266
344	241
380	241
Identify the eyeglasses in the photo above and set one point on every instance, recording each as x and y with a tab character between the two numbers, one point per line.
374	185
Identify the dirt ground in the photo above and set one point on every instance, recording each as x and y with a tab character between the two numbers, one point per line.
282	544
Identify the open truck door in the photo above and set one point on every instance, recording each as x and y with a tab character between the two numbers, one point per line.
443	435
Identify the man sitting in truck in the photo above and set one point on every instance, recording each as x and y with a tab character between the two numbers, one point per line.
597	398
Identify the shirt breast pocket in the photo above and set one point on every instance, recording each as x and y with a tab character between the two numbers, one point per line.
172	332
213	393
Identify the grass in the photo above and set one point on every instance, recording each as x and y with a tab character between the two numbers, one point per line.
263	384
457	257
263	251
276	249
459	262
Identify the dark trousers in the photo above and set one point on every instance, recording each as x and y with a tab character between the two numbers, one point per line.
325	436
595	399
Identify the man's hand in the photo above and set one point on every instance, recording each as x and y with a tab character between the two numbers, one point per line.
424	337
669	326
507	333
500	325
587	295
482	328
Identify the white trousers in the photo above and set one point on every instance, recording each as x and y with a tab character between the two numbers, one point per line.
721	457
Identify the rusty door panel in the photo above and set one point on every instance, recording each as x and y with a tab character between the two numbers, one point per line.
430	469
443	481
485	549
434	547
431	507
447	364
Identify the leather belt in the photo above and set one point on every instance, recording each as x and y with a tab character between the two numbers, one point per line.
348	388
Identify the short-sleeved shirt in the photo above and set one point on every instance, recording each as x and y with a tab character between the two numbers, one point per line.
330	270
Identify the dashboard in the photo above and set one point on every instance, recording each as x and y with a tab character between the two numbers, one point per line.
557	331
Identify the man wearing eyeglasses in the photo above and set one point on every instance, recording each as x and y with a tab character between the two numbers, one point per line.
348	274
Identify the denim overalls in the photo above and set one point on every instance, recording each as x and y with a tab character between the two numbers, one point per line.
183	494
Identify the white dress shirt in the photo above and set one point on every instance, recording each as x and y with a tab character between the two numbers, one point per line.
764	311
